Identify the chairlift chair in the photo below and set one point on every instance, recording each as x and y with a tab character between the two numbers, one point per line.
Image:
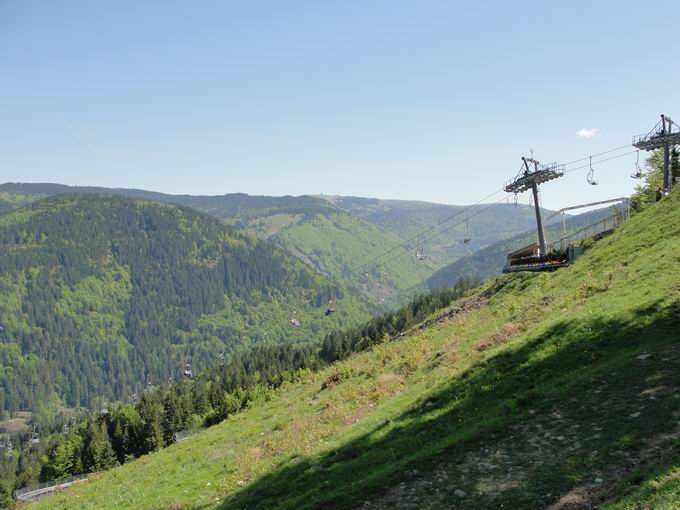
35	438
591	174
466	239
188	372
331	309
420	254
638	170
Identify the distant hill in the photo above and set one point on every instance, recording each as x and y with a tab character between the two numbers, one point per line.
407	218
101	294
335	235
489	261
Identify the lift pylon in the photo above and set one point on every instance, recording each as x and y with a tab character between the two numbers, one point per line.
530	179
665	134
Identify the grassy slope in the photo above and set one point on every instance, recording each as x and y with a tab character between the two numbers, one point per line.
560	388
407	218
337	243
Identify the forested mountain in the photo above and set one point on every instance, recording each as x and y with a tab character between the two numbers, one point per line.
336	235
103	294
489	261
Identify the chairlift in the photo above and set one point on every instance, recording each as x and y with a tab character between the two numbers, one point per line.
591	174
330	310
420	254
638	170
35	438
187	371
466	239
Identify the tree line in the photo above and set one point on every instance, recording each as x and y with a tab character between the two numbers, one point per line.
126	431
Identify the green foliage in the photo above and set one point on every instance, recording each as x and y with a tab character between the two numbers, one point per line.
101	294
97	453
646	192
341	344
334	235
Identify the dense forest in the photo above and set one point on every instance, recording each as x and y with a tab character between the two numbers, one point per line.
334	234
102	296
120	432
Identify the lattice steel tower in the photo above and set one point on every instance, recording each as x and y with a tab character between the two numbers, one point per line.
665	134
529	179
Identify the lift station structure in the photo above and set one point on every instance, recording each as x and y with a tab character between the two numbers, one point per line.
530	179
665	134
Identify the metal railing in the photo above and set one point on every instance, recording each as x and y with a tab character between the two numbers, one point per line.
35	491
601	227
658	131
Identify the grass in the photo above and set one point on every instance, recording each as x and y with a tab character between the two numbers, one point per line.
335	243
559	389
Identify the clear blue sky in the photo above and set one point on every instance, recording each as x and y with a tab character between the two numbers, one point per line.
420	100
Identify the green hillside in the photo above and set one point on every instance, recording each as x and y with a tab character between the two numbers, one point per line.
101	295
489	261
325	237
554	390
334	235
408	218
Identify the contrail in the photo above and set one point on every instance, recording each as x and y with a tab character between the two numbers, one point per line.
77	135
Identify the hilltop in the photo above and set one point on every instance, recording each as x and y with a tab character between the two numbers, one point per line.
554	390
103	295
334	235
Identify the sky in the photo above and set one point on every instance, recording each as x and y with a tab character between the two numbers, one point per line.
428	100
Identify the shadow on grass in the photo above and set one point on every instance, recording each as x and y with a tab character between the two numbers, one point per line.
480	406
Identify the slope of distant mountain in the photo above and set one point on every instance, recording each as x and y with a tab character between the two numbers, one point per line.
101	292
489	261
327	238
407	218
336	235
